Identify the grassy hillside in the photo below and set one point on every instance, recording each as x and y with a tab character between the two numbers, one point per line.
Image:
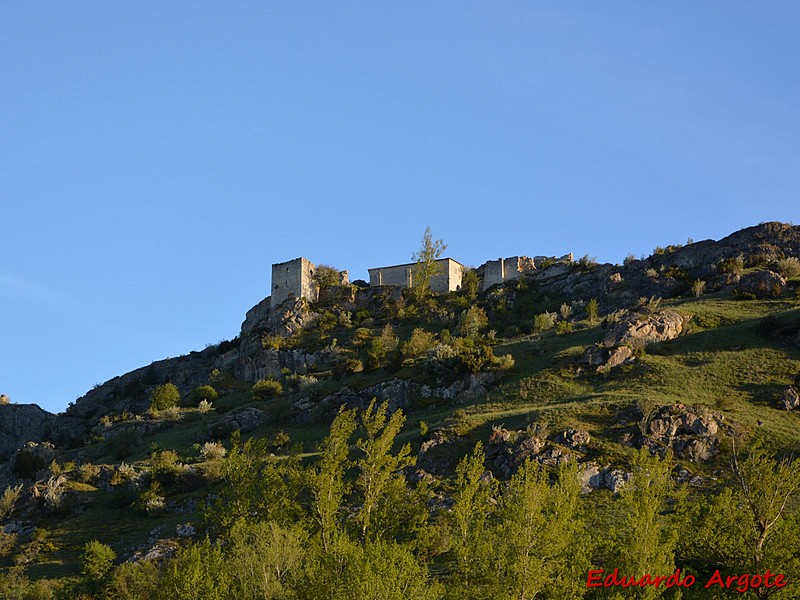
735	356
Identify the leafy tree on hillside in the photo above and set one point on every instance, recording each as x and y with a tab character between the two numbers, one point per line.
164	396
425	267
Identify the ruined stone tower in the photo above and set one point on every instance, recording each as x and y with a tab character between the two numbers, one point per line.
293	279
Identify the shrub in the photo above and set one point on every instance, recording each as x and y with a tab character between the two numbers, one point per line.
264	389
789	267
592	310
8	500
213	451
586	262
204	392
97	560
564	327
565	311
505	362
54	492
326	321
629	260
698	287
152	500
164	396
4	399
733	265
7	543
87	472
419	343
472	321
133	581
544	321
27	464
204	406
281	439
171	414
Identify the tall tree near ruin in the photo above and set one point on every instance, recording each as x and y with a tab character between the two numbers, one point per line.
425	267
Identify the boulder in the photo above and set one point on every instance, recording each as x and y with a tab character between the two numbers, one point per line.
789	399
574	438
762	284
642	329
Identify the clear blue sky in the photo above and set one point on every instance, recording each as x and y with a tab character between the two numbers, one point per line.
157	157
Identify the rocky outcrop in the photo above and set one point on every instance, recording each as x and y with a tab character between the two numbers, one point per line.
643	329
507	451
289	318
244	419
761	284
21	423
574	438
689	431
635	330
31	459
789	399
593	477
255	316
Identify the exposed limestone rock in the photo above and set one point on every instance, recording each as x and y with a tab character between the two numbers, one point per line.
789	399
619	356
255	316
398	393
632	331
32	458
762	284
574	438
437	454
290	317
245	419
642	329
592	477
689	431
507	451
20	423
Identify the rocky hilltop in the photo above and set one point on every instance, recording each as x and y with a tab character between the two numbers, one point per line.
740	263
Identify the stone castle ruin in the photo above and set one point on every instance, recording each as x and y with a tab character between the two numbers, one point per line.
447	278
295	279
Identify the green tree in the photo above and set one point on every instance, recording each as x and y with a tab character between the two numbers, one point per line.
265	558
754	523
204	392
540	536
470	282
326	478
647	540
327	276
592	310
425	267
132	581
472	549
164	396
379	471
472	322
198	572
257	485
97	560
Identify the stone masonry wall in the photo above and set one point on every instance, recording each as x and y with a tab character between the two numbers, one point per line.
446	280
293	279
